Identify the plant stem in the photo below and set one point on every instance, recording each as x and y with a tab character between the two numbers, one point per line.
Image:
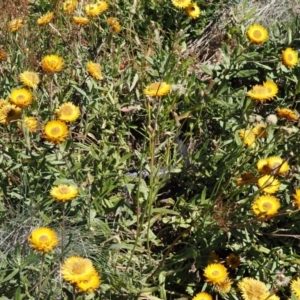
41	277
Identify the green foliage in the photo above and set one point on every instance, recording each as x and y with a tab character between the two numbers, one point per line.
166	184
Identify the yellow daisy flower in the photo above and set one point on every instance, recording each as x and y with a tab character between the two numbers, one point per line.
9	112
30	79
246	179
64	192
43	239
257	34
103	5
76	269
286	113
21	97
262	166
157	89
52	63
271	296
203	296
252	289
181	3
31	124
261	93
265	206
277	165
15	25
232	261
260	131
81	20
215	273
272	165
247	137
3	54
69	6
193	11
89	285
56	131
289	57
114	24
297	198
272	88
224	287
68	112
295	287
94	70
45	19
268	184
93	10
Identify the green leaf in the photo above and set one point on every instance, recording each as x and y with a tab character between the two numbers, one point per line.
246	73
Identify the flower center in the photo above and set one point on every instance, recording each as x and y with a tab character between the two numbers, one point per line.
20	98
55	130
215	273
290	57
78	268
43	238
259	89
257	34
67	110
267	206
63	190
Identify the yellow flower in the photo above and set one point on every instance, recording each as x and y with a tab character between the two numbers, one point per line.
295	287
233	261
286	113
30	79
94	70
93	10
64	192
272	165
8	112
76	269
297	198
114	24
257	34
289	57
31	124
81	20
265	206
45	19
89	285
52	63
3	54
252	289
56	131
157	89
272	88
21	97
271	296
15	25
68	112
264	92
103	6
224	287
193	11
268	184
277	165
262	166
203	296
260	131
215	273
43	239
181	3
246	179
247	137
69	6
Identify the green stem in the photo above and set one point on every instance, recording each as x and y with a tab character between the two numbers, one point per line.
41	277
